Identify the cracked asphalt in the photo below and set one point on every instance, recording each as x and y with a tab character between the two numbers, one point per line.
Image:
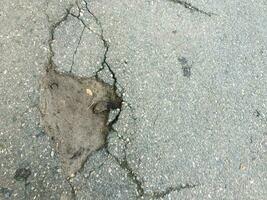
192	76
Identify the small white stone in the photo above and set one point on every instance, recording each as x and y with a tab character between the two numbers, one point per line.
89	92
72	175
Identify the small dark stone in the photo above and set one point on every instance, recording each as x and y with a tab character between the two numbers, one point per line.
257	113
22	174
185	66
53	85
6	192
186	71
100	107
183	61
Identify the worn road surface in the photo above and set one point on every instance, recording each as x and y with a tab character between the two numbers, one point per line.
193	78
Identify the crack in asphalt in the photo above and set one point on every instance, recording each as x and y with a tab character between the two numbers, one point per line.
76	49
52	29
51	66
135	178
169	190
73	193
123	163
104	62
106	46
191	7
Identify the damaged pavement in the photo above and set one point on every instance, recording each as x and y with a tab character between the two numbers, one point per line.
147	99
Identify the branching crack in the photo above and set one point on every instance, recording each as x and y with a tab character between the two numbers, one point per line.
124	164
133	176
51	65
191	7
104	63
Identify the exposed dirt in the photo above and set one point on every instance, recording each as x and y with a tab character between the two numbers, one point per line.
75	114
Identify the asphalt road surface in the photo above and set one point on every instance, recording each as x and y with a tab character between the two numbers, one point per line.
193	78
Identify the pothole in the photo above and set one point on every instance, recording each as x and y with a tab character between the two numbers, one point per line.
75	113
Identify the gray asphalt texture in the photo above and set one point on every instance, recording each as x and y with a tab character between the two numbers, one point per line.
193	79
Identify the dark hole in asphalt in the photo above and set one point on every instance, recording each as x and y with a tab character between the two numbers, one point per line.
22	174
75	113
185	66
